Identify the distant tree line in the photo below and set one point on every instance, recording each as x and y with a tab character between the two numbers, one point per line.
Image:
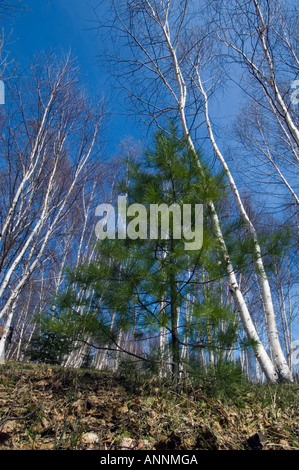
150	305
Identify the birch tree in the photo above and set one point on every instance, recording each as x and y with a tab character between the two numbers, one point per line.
49	140
162	60
262	38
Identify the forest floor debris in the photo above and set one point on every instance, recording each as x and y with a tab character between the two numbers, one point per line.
51	408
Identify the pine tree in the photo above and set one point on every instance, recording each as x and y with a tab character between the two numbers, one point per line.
144	281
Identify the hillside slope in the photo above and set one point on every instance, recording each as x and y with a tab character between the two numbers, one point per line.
49	408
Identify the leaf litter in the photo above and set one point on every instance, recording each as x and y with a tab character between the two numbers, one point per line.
51	408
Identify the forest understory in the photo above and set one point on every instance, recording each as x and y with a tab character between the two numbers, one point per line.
46	407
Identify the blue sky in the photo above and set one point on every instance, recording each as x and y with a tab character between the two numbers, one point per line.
63	26
68	25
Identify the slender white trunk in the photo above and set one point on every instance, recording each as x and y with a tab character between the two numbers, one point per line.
294	131
188	320
101	356
49	232
5	334
34	159
274	340
21	324
116	359
160	15
248	325
260	352
162	349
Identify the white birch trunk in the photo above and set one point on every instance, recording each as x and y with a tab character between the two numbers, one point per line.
248	325
274	340
5	334
160	14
